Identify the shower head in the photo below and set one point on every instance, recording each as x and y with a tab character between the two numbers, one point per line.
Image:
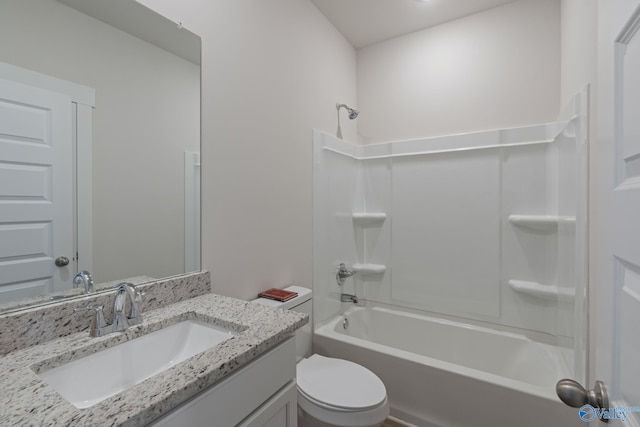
352	113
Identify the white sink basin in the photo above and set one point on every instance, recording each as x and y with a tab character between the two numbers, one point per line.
87	381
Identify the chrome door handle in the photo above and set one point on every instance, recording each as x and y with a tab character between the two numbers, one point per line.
576	396
62	261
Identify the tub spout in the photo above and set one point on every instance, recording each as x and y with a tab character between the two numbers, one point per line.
348	298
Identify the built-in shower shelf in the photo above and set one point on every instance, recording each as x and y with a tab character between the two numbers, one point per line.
550	292
365	269
546	223
369	219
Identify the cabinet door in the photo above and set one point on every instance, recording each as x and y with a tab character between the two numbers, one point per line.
236	398
279	411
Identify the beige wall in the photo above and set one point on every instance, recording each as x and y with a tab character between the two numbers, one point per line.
271	71
495	69
146	116
578	47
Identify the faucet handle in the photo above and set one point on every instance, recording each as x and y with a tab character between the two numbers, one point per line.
343	273
98	325
97	308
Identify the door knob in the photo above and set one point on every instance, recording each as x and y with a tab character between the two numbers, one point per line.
61	261
576	396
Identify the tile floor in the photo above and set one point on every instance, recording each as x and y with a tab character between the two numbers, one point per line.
396	423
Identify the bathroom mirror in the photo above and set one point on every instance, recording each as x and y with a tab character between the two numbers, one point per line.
134	199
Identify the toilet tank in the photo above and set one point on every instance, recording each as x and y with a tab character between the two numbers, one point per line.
302	304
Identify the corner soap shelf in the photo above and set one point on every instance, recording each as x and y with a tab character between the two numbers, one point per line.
548	223
365	219
365	269
548	292
545	224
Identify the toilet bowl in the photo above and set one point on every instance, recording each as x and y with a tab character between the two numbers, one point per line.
331	392
336	392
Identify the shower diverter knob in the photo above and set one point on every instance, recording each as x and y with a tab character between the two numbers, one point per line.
343	273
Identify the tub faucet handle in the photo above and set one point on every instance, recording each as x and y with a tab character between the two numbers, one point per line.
343	273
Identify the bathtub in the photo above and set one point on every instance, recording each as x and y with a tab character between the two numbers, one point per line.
441	373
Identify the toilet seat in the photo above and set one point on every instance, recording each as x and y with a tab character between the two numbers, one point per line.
339	384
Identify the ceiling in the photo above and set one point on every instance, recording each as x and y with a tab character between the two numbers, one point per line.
365	22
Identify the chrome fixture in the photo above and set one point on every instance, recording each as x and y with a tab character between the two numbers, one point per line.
576	396
120	321
352	115
98	326
348	298
343	273
84	278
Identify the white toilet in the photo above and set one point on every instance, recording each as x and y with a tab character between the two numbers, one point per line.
331	392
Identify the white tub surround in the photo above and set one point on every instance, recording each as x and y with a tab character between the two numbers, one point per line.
27	400
446	373
489	227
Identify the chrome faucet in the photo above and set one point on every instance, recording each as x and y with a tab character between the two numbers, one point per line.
343	273
84	278
121	321
348	298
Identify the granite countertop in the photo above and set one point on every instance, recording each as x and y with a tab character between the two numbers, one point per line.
27	400
68	293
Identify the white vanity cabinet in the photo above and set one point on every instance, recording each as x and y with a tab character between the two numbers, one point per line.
261	394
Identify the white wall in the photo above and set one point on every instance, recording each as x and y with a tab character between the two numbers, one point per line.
578	38
271	71
495	69
146	116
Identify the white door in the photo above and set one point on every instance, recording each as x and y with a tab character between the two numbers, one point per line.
35	190
615	298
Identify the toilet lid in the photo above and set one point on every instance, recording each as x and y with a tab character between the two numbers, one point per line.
339	383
